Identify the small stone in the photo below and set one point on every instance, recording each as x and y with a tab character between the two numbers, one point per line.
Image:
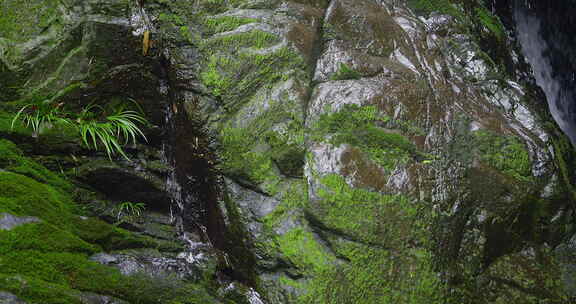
9	221
8	298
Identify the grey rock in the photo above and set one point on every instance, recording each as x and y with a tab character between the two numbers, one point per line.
126	183
8	298
256	204
9	221
186	265
104	258
93	298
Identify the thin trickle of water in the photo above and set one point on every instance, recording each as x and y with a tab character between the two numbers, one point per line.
254	297
178	197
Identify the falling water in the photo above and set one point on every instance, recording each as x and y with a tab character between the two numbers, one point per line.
553	74
194	188
192	192
180	199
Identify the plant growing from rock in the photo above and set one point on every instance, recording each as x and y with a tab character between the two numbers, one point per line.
107	128
39	116
101	128
128	212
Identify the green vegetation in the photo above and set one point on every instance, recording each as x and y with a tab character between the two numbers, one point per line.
129	212
240	161
295	197
47	261
253	39
562	150
360	127
372	248
223	76
345	72
361	213
13	160
98	127
426	7
217	25
300	247
506	153
376	276
23	19
219	6
251	152
490	22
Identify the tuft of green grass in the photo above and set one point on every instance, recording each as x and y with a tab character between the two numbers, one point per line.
99	127
100	130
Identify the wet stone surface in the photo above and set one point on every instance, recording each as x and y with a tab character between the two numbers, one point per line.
9	221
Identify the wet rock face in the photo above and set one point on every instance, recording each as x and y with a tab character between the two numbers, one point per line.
369	155
91	53
130	182
417	159
8	298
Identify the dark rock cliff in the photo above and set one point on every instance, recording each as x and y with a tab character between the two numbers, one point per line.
328	151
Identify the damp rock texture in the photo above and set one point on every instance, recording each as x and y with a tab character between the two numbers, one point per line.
322	151
378	154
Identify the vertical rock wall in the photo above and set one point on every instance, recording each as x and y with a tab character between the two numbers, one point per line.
367	154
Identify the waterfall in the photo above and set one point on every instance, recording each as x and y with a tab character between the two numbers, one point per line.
195	187
539	31
181	200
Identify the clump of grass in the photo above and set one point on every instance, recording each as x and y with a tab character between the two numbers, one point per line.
97	129
107	128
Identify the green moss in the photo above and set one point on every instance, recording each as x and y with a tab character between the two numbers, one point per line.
240	161
109	237
35	290
294	197
254	151
24	19
490	22
564	156
225	23
256	39
441	6
51	258
222	74
373	256
12	159
363	214
302	249
42	237
220	6
505	153
47	261
376	276
357	126
22	195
